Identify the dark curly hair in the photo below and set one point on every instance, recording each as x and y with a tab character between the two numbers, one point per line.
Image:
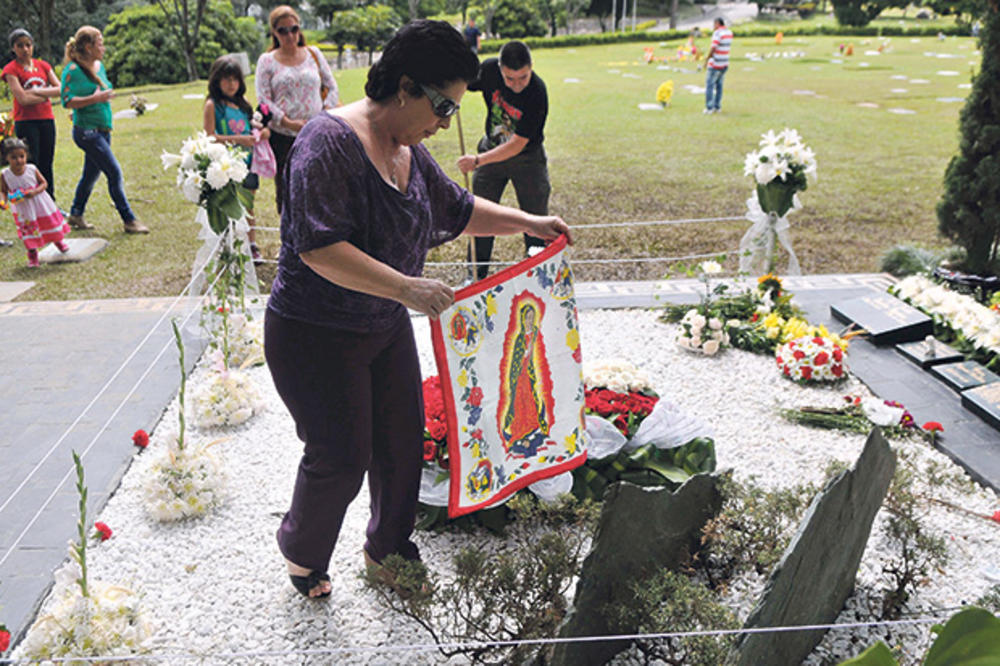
428	52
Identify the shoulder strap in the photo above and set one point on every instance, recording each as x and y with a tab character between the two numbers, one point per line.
315	59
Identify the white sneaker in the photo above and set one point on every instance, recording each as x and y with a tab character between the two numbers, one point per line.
707	111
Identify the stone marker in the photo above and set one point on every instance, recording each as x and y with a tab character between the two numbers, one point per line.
928	352
11	290
964	375
817	572
984	401
641	531
80	249
887	319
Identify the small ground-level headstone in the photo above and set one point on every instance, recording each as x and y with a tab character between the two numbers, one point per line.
928	352
887	319
11	290
641	532
965	375
817	572
985	402
650	106
80	249
902	112
132	113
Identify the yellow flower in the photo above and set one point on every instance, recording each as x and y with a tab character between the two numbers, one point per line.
491	305
665	92
463	379
571	443
573	339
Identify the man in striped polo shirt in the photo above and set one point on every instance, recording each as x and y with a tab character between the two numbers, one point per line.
718	63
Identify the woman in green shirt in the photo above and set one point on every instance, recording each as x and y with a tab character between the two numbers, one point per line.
87	91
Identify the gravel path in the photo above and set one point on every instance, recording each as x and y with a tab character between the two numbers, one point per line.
217	585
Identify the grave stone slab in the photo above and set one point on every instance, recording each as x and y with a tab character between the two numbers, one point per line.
11	290
660	528
80	249
928	352
964	375
887	319
984	401
817	572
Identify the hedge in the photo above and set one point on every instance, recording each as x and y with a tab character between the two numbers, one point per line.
493	45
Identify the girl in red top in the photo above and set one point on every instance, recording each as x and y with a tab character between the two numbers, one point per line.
33	82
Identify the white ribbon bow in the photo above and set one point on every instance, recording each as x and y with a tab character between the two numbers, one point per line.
211	246
757	244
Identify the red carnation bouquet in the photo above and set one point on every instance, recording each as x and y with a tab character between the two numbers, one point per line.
435	426
625	410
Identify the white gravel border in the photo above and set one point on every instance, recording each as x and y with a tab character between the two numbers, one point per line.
218	585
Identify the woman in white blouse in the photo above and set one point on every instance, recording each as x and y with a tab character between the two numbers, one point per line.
294	81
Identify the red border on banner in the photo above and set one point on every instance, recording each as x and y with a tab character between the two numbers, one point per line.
444	372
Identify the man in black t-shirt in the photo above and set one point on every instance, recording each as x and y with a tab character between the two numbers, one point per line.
516	107
472	36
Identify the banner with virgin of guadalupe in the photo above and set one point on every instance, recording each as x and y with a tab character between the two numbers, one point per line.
508	355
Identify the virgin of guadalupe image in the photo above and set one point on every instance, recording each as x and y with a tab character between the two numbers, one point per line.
526	405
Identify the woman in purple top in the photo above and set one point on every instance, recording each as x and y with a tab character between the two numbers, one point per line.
363	204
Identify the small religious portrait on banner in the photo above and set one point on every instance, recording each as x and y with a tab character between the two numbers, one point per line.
526	401
464	335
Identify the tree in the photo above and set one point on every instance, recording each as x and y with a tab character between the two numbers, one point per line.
376	26
554	12
51	23
325	9
515	19
969	210
184	19
344	28
862	12
141	49
965	11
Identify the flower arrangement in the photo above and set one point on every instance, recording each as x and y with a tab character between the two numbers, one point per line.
617	375
435	429
211	175
780	168
625	409
811	359
664	92
861	414
89	619
245	340
138	103
960	319
225	398
184	481
702	328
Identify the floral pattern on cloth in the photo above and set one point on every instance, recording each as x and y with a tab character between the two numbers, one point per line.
39	222
294	91
508	355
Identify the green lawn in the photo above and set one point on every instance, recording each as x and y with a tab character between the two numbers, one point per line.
879	173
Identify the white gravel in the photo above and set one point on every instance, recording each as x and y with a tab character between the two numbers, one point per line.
218	585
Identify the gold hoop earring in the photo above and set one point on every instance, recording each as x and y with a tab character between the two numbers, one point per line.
402	102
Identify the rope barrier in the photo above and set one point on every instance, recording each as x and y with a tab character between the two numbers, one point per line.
107	422
426	647
632	260
100	392
615	225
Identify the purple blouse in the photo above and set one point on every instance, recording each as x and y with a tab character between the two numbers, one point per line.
333	194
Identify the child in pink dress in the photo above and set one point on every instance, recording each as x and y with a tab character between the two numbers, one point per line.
39	222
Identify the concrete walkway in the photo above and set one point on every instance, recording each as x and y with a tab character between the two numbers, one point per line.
85	375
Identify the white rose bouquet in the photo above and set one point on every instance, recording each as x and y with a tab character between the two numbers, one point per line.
211	175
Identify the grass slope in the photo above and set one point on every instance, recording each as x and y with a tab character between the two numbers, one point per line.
880	173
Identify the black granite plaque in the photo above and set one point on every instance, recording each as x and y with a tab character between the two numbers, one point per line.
928	352
985	402
964	375
887	319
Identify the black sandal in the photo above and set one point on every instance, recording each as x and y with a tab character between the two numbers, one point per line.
306	583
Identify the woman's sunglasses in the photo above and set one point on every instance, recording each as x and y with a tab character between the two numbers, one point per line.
293	29
442	106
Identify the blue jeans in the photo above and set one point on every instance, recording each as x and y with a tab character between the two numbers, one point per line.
713	88
98	159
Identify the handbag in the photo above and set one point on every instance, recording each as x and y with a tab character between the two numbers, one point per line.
323	90
263	163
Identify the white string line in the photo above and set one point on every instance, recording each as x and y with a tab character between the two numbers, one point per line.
135	386
611	225
104	388
635	260
425	647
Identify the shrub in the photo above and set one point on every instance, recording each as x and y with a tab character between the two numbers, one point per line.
514	20
903	260
969	210
143	49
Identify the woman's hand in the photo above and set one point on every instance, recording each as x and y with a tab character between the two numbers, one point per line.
103	96
265	134
293	124
431	297
468	163
549	227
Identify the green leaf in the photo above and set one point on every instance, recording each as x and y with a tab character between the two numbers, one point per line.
970	638
877	655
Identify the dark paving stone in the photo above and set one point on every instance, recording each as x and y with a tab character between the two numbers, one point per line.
964	375
887	319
